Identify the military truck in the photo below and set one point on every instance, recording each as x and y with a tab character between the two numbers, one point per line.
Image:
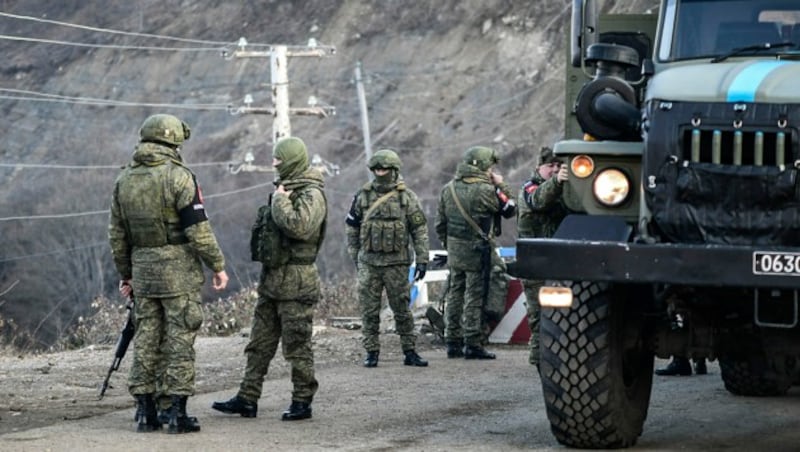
682	141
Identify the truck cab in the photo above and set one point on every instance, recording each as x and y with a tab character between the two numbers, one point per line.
682	142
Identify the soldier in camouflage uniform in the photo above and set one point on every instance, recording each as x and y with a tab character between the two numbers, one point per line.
539	215
384	223
160	238
470	245
289	287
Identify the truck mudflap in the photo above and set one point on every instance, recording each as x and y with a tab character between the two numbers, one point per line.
599	248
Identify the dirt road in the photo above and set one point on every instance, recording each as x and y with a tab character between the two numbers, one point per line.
451	405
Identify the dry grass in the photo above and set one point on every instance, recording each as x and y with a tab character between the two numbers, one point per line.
223	317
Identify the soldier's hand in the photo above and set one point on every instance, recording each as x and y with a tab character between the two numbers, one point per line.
220	280
419	272
281	190
125	288
563	174
497	179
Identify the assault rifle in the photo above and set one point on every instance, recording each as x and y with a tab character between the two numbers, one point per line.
125	338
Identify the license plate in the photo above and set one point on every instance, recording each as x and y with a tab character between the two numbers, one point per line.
773	263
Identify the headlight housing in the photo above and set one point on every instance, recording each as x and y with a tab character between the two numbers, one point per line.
611	187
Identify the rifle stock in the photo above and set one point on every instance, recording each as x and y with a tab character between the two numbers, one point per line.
124	340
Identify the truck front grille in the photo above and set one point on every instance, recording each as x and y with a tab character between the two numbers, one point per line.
739	147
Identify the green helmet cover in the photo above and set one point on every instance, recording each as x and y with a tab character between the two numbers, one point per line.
164	129
386	159
292	153
481	157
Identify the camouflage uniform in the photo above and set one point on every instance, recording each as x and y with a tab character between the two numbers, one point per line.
484	202
160	238
539	215
380	235
289	290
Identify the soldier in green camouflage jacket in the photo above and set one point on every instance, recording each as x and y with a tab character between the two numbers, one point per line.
384	222
469	237
160	238
289	287
539	215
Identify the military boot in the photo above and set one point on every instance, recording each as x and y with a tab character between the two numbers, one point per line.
297	411
678	366
237	405
477	352
413	359
146	415
455	350
700	366
178	420
372	359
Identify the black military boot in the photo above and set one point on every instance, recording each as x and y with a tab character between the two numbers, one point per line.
700	366
678	366
146	415
455	350
237	405
413	359
297	411
178	420
372	359
477	352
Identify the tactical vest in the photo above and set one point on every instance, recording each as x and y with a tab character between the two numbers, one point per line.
384	228
458	226
273	248
150	217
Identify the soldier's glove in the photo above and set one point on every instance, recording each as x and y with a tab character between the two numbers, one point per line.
419	272
439	260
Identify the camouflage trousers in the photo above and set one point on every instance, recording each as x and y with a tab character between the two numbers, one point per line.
372	280
163	354
464	308
534	315
290	323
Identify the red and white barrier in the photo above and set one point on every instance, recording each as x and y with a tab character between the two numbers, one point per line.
513	327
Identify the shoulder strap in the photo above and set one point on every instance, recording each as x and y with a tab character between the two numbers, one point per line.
377	203
465	214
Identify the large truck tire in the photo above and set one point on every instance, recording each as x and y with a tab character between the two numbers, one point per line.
596	369
752	377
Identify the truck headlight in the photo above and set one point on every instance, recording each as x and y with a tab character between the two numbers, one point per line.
611	187
582	166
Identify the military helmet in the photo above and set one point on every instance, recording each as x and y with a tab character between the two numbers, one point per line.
386	159
165	129
481	157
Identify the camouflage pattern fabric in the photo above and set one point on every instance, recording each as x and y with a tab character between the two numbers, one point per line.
539	215
179	318
381	244
287	294
290	323
483	202
160	238
372	280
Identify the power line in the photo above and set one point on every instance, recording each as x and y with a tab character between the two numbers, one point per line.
51	253
107	211
126	33
59	98
109	46
94	167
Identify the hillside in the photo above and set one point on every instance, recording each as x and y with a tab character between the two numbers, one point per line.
79	76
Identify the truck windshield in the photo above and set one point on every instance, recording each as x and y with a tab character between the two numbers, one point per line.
712	28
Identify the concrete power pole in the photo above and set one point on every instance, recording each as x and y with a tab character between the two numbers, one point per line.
279	81
362	105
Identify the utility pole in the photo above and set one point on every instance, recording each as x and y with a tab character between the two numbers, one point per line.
362	105
279	81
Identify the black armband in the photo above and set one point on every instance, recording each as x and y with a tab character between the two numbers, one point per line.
195	212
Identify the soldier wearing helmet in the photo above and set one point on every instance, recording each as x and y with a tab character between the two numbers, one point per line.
386	232
467	222
541	210
160	238
286	240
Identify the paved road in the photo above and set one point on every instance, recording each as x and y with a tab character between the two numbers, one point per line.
451	405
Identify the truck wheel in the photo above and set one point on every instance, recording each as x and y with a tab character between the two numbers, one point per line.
596	369
752	377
